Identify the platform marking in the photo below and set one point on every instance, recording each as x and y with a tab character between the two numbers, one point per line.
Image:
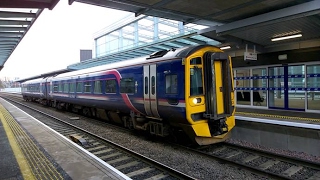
21	160
76	145
278	116
38	162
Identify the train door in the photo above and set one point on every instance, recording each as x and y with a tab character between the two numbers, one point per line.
218	85
150	90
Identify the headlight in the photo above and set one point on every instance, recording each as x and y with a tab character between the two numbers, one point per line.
196	100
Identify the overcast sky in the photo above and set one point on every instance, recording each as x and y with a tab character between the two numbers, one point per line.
55	39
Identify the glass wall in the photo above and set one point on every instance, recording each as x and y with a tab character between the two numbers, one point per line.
259	86
276	87
243	85
296	87
313	87
292	87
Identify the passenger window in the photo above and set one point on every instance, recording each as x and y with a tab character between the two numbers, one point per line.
171	84
97	87
55	87
111	86
126	85
79	87
65	87
87	87
72	87
60	87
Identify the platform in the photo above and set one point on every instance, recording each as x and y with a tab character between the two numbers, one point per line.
279	115
286	130
32	150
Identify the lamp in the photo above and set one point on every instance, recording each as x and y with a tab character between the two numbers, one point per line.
286	37
226	47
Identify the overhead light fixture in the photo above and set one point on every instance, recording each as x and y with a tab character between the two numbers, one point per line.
226	47
286	37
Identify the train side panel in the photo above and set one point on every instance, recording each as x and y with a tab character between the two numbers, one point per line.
171	91
188	89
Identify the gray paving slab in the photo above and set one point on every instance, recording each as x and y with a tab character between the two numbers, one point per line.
9	167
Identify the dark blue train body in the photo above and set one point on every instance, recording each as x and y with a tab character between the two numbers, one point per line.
188	89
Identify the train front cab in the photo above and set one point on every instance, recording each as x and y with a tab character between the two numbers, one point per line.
209	95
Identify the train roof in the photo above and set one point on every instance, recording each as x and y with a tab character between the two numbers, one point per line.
33	81
157	56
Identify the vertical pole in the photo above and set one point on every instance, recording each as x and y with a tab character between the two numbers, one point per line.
136	34
155	28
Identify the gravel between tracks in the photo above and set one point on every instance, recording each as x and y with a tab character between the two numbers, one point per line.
194	165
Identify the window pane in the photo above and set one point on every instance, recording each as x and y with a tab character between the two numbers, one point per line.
146	85
72	87
111	86
97	87
313	87
65	87
55	87
171	84
60	87
195	61
79	87
243	86
153	85
126	85
87	87
259	82
196	87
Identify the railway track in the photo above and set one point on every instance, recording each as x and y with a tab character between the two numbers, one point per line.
260	162
134	165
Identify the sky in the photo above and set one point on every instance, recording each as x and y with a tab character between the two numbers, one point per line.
54	41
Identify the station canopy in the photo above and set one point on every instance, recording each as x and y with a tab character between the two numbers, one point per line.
236	23
16	18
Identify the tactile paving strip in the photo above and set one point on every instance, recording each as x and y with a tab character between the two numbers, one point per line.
41	167
278	116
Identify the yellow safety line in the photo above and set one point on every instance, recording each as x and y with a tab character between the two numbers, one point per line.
32	152
22	162
279	116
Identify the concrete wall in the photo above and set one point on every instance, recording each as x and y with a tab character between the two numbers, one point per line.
280	137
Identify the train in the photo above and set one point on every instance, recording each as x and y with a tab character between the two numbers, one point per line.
184	92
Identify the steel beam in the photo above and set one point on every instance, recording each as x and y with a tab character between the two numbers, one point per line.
12	28
14	22
293	12
28	4
6	14
11	34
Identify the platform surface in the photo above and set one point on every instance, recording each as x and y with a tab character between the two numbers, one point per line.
31	150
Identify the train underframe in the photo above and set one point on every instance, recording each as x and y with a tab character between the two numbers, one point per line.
177	132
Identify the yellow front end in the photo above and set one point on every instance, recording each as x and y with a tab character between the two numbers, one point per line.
196	94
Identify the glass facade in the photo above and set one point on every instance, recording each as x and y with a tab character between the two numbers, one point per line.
144	31
293	87
276	87
313	87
